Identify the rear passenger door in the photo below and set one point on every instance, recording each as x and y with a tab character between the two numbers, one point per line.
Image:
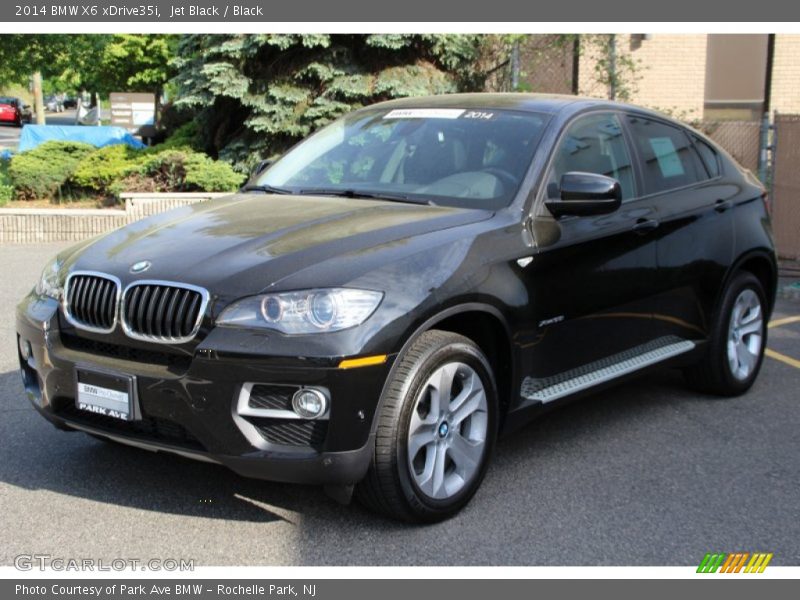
680	175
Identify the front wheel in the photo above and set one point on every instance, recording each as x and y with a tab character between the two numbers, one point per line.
436	431
738	338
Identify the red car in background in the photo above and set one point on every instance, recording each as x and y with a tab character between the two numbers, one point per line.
14	111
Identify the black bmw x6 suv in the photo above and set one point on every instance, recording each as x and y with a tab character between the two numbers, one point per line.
376	306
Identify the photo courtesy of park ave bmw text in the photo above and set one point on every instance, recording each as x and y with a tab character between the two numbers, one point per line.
289	290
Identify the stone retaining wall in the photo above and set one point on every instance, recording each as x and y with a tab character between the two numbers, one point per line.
36	225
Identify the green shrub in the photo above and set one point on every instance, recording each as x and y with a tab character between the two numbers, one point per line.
102	169
44	171
186	137
6	189
209	175
166	169
64	169
6	193
189	171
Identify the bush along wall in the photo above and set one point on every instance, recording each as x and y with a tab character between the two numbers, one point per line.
45	171
6	189
67	170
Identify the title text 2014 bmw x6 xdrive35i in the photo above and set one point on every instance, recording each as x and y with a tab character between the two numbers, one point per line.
376	306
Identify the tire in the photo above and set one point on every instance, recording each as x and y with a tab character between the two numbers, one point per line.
444	473
743	309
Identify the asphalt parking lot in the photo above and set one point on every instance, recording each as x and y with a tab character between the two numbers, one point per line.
9	135
647	473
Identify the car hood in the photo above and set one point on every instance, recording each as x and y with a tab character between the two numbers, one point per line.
245	243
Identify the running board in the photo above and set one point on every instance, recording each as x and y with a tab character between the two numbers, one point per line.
601	371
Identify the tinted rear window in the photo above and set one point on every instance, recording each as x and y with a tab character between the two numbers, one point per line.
668	159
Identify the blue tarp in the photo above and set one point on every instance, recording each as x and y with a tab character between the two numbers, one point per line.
33	135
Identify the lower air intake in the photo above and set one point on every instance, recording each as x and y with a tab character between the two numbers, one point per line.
292	432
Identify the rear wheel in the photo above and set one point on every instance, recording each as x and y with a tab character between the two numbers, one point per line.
436	431
736	348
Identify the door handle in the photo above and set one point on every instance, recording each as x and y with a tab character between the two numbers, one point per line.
721	206
644	226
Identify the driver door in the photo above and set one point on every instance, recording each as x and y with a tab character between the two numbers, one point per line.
590	282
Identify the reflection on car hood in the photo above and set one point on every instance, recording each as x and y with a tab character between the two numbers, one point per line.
242	244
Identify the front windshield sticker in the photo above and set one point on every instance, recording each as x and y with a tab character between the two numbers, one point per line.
424	113
479	114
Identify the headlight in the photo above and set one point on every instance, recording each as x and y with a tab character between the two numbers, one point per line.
310	311
50	283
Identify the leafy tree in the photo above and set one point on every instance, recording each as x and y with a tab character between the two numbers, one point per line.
21	55
30	56
615	71
256	95
131	63
97	63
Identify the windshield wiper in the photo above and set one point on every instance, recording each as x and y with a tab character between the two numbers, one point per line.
350	193
267	189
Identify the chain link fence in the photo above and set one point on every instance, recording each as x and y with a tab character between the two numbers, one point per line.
546	64
742	139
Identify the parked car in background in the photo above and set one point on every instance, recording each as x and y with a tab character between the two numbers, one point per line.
70	102
54	103
15	111
375	307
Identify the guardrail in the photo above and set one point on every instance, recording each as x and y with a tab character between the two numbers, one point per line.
37	225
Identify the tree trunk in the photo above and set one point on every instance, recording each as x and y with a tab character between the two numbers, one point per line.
38	99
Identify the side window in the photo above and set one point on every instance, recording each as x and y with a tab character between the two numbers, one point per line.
594	144
709	157
668	159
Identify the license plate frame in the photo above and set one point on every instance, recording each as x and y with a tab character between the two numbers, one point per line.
106	393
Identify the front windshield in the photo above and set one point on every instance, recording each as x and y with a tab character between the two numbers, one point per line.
452	157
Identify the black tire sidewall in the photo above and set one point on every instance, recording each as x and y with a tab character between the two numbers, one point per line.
470	355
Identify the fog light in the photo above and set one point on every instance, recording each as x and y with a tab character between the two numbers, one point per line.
309	403
25	349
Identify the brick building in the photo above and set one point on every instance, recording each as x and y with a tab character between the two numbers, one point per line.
697	76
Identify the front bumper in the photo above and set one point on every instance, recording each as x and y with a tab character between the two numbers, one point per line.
188	399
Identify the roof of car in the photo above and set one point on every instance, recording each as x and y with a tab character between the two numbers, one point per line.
546	103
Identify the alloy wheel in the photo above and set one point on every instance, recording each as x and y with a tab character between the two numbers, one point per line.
745	334
448	431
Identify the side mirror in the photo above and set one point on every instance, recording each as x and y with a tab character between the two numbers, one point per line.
585	194
261	167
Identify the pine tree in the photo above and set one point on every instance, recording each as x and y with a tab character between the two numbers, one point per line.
257	95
